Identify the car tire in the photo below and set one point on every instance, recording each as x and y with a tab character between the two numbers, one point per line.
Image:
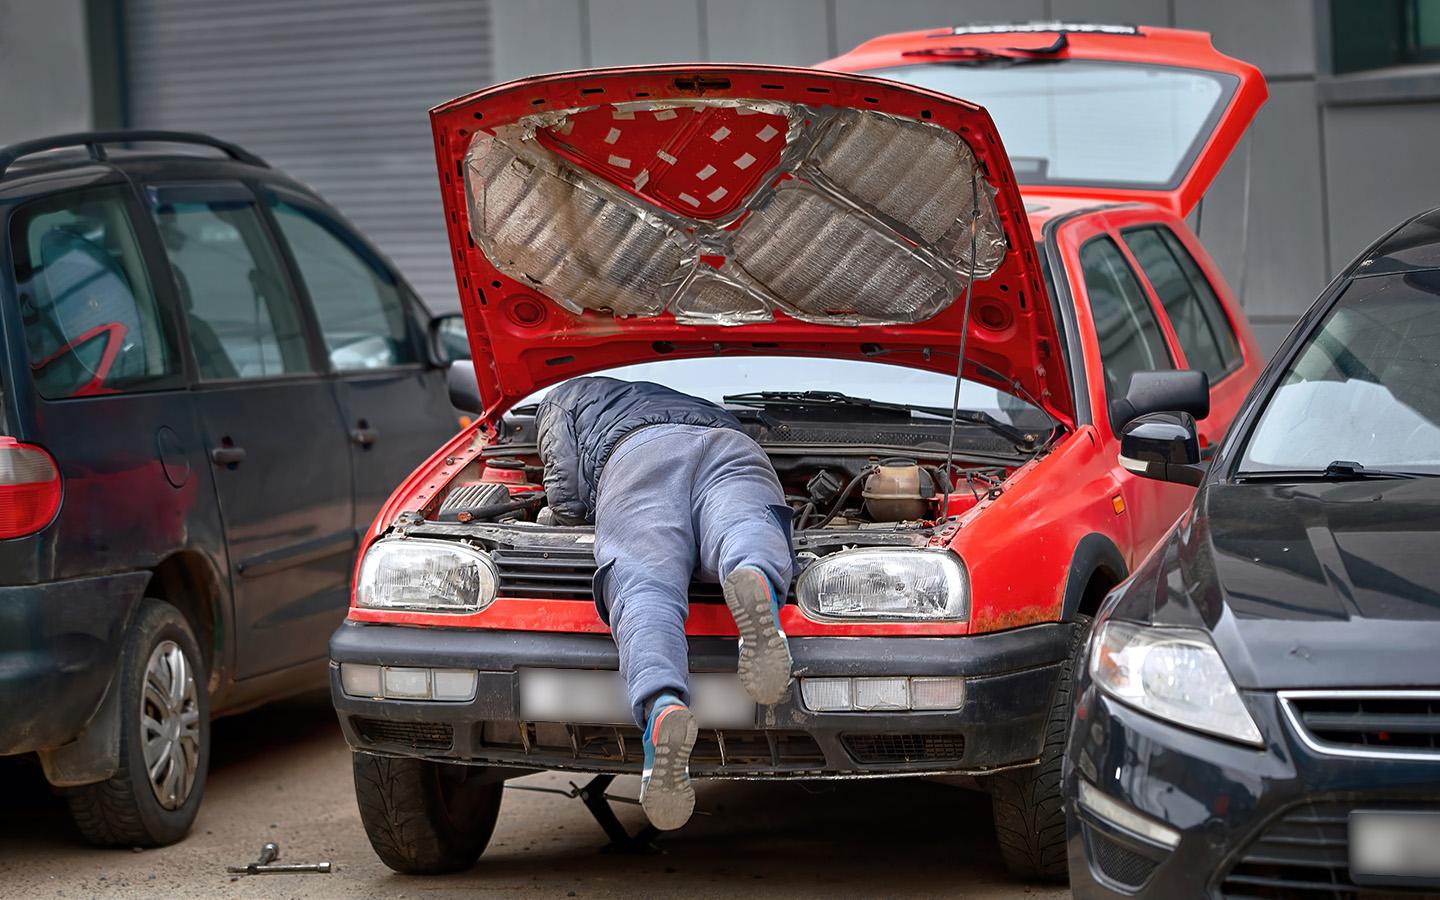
423	817
165	711
1026	804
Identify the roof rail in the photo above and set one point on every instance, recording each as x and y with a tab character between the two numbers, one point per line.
95	142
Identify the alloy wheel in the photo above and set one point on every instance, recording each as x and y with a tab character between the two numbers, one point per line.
170	725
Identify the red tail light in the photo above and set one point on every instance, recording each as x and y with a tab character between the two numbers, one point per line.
29	488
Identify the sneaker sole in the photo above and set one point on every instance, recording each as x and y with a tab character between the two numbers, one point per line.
765	662
668	796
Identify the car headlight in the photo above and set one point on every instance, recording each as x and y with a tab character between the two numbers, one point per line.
881	584
1172	673
435	576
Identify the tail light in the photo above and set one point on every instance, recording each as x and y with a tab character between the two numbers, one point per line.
29	488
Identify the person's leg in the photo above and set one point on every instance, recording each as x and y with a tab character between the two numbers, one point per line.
646	551
743	526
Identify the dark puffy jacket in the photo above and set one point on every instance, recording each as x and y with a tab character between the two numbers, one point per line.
581	421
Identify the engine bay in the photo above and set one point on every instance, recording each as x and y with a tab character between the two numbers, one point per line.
880	470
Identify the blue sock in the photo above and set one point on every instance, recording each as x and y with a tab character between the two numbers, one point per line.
657	706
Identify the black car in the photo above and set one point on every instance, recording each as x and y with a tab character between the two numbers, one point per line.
208	385
1259	715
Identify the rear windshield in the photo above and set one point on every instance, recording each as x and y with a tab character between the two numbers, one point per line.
1088	122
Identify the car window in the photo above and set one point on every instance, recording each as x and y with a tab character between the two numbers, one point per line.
1088	121
1365	386
1125	324
91	322
1195	313
242	317
361	311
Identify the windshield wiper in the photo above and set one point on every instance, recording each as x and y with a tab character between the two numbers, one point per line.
1337	470
973	54
835	398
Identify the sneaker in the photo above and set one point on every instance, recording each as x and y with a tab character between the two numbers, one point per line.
764	653
666	794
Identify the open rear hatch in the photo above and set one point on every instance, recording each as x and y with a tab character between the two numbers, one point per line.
619	216
1114	112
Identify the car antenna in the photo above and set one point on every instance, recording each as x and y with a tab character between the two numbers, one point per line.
964	333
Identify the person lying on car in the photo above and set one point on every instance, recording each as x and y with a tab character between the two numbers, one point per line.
673	486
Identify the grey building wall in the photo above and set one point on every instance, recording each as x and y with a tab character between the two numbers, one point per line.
1330	162
44	68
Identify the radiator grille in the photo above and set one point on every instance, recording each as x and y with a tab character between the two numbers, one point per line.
415	735
1369	722
565	575
1305	855
903	748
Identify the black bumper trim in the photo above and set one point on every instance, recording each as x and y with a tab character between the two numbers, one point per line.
1011	679
982	654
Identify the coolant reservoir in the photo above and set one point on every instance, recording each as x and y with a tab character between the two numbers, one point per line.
504	471
898	491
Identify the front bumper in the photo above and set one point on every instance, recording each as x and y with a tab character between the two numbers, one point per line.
1251	822
1010	680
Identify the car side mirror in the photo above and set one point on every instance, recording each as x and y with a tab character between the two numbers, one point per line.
1163	446
464	389
1186	391
448	339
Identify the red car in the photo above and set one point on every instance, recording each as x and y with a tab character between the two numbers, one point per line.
820	249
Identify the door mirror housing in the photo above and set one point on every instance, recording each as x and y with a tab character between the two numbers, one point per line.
464	391
1185	391
1163	446
448	339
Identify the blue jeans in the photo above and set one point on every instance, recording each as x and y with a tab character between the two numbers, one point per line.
674	499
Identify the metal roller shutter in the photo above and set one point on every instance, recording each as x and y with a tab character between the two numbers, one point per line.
335	92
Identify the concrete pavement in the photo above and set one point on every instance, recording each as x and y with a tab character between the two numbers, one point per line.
282	774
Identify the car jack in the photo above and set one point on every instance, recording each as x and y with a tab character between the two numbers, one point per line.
593	795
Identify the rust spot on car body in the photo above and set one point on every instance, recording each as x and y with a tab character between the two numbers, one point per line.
989	618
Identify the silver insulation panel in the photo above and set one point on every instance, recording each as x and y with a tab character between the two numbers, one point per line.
866	219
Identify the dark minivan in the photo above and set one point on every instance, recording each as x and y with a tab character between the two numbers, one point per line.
1260	713
209	382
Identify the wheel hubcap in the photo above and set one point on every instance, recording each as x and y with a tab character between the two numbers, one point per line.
170	725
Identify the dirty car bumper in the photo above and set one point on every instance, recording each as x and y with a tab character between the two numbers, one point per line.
59	645
1009	677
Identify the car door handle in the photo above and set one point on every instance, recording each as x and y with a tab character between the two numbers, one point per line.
363	436
227	456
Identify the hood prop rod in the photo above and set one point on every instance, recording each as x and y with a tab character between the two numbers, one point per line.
964	334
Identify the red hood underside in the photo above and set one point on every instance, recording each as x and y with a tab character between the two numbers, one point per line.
629	215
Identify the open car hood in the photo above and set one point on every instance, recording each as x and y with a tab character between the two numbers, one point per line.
1111	112
619	216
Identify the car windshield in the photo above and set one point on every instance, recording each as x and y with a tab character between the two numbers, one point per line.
1364	389
1087	122
713	378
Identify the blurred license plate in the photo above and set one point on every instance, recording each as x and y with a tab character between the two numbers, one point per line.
1395	847
585	697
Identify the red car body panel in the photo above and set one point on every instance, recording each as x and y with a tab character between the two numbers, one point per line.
1019	546
1151	46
